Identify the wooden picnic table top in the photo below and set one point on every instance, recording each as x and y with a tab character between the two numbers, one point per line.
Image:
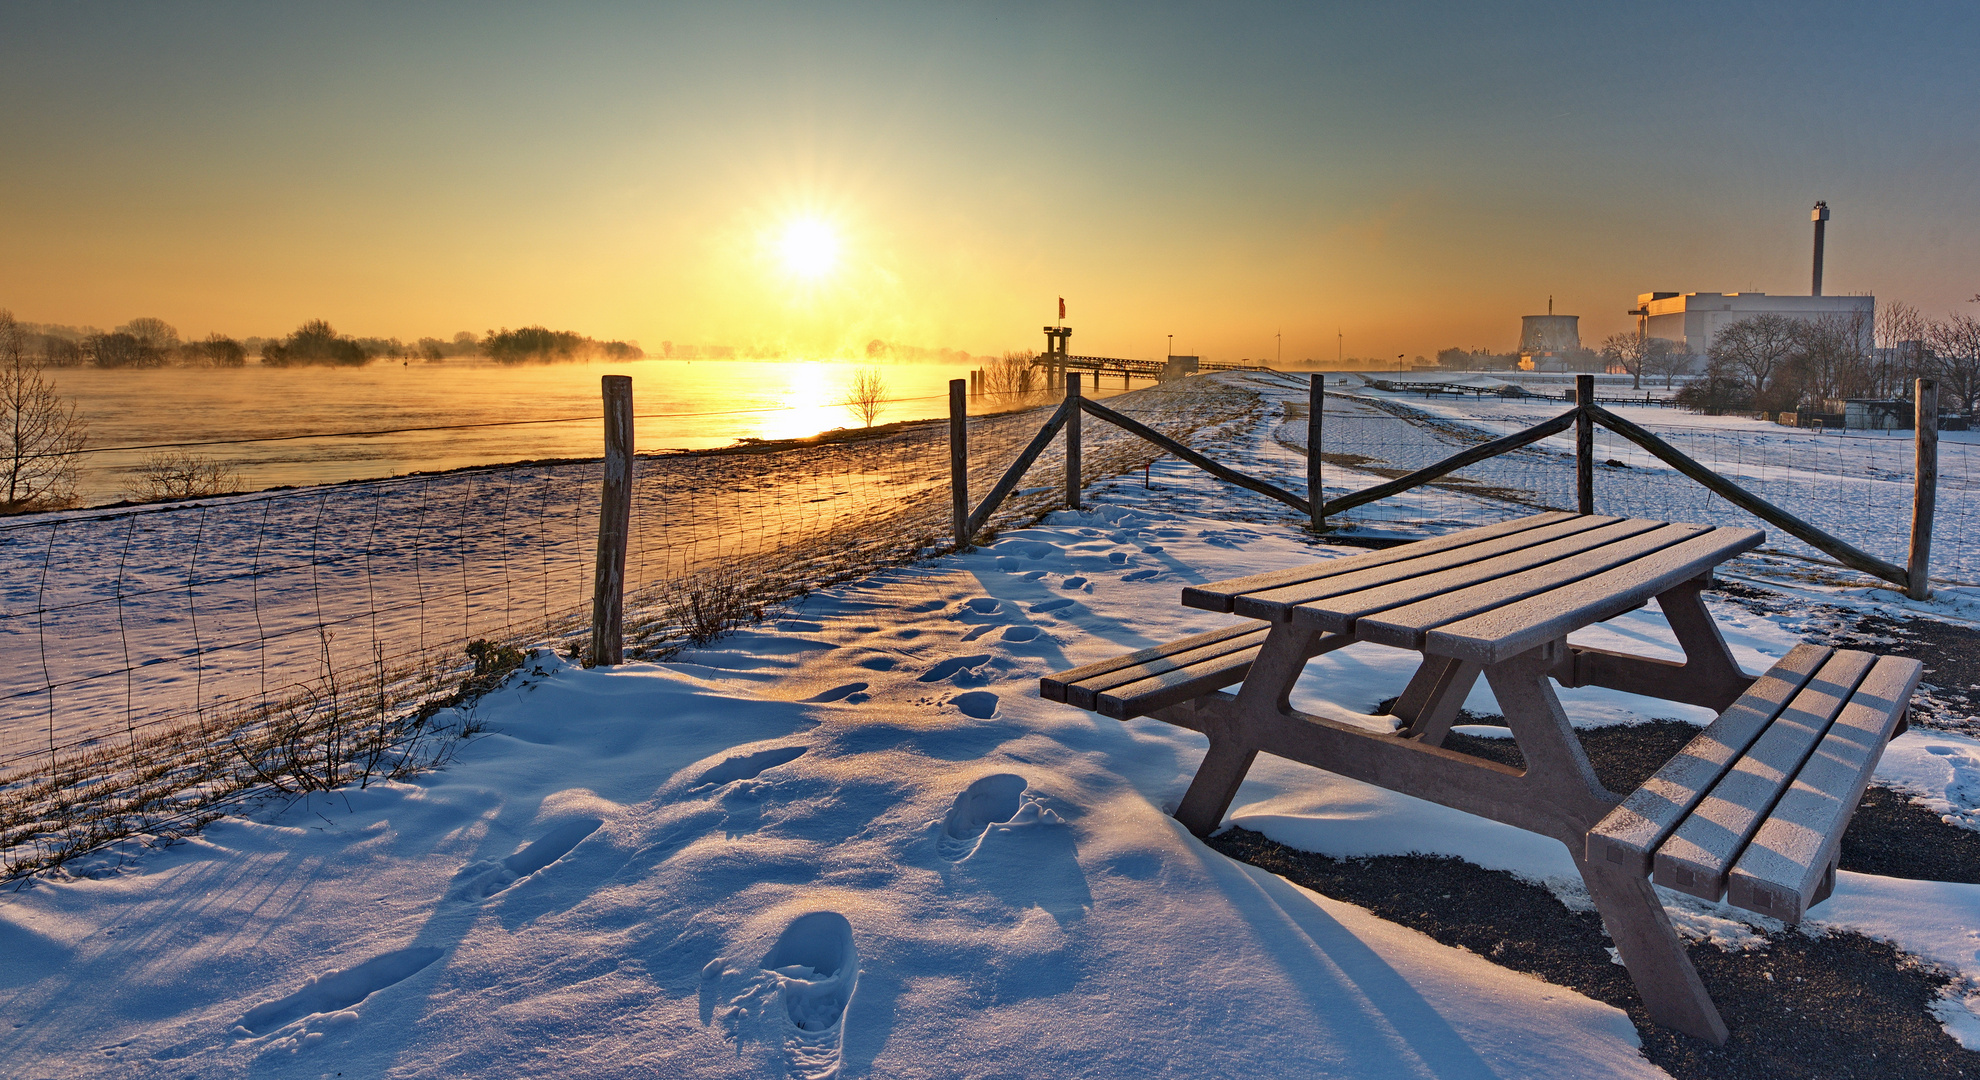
1485	595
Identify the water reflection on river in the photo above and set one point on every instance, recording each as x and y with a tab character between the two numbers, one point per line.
683	404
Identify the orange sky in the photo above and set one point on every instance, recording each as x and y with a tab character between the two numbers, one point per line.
1413	177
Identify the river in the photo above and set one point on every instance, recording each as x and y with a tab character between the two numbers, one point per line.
681	404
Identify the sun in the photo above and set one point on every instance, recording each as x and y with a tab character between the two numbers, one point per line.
808	248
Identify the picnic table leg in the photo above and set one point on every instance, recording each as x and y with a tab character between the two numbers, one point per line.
1429	704
1706	657
1649	947
1632	914
1268	685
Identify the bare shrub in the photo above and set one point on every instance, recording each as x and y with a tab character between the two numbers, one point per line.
180	474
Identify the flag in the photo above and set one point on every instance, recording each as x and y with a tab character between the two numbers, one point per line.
1062	309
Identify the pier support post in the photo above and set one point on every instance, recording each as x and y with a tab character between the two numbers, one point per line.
1925	490
1316	493
959	462
1584	444
608	584
1072	441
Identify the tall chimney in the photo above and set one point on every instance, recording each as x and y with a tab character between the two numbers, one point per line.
1820	217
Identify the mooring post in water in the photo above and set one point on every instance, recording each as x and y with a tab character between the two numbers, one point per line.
608	585
1072	441
1584	443
959	460
1316	407
1924	493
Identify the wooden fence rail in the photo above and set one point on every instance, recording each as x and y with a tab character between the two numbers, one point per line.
1584	417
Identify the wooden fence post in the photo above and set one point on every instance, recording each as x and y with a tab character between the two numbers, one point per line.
608	583
959	461
1925	491
1316	494
1072	441
1584	443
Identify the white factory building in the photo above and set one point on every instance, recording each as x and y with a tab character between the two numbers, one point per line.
1692	319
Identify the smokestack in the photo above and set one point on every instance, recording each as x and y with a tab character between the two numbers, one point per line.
1820	217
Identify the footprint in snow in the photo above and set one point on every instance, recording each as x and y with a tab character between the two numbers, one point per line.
750	766
483	880
1073	583
811	972
1020	633
1051	605
983	605
1140	575
927	605
1118	558
834	694
976	704
335	994
979	631
953	664
994	802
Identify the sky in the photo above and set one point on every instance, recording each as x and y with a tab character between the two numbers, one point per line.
1294	180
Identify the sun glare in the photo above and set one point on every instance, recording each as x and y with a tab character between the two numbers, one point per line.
809	248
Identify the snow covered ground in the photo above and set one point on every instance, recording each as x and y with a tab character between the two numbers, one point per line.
856	842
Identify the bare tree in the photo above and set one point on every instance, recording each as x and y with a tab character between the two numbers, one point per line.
1626	351
866	394
1010	377
40	432
1662	356
1753	351
1900	340
1956	342
180	474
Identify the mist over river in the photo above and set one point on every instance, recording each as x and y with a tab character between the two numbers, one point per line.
681	404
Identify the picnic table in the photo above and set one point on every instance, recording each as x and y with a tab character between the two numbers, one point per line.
1751	810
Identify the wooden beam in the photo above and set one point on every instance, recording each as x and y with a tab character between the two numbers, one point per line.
1136	427
1451	464
1316	494
1844	552
608	583
1584	444
1017	470
959	460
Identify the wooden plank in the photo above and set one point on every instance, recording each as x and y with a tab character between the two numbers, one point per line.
1053	687
1173	687
1316	412
1394	616
608	582
1847	554
1584	444
1082	692
959	461
1709	840
1218	595
1790	856
1631	832
1453	463
1407	577
1532	622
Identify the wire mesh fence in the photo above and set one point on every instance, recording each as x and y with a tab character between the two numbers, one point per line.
1857	486
161	660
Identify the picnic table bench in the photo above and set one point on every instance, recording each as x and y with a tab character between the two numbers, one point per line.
1752	809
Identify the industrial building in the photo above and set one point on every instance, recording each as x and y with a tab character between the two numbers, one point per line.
1693	319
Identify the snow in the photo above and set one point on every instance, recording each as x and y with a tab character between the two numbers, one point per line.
854	841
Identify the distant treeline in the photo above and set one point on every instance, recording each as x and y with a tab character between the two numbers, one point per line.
153	343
